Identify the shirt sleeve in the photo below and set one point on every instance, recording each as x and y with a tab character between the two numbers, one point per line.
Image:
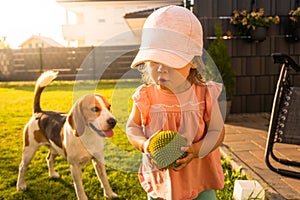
212	93
141	100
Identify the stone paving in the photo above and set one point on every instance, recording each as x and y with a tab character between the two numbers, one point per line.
244	146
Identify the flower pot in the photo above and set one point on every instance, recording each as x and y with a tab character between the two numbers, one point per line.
258	34
248	189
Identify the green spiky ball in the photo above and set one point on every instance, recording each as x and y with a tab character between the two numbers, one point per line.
165	148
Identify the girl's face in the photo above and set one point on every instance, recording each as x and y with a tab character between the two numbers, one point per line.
167	78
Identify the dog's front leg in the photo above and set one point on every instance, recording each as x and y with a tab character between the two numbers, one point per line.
77	178
101	173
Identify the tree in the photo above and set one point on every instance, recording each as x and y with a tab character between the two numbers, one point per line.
3	43
220	55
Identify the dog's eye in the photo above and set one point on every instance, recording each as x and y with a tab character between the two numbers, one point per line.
95	109
109	107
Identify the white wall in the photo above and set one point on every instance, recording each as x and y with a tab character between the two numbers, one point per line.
100	21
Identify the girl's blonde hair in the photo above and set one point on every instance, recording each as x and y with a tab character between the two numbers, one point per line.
194	76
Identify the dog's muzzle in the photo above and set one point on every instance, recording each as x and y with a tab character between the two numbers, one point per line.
105	133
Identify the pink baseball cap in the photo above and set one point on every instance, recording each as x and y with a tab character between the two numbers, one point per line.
172	35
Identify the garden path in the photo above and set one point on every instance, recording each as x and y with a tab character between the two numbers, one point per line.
244	146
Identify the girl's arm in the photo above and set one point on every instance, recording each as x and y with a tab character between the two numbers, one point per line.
214	137
215	132
134	130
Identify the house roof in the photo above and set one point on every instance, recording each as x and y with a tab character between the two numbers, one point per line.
135	20
142	13
46	40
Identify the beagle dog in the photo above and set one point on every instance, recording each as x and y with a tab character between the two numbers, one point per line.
77	136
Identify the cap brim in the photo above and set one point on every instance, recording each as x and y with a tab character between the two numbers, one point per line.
165	57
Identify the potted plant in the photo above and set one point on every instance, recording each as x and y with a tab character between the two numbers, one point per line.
252	23
294	16
218	51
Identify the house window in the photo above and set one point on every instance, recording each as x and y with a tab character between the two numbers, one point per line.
101	20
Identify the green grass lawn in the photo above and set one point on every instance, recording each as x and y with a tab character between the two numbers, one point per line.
121	158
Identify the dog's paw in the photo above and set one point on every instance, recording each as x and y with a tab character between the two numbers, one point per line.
111	195
22	187
54	175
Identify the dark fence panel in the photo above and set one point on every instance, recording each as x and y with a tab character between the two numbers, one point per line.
256	75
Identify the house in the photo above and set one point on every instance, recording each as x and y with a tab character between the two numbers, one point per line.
135	20
108	22
37	41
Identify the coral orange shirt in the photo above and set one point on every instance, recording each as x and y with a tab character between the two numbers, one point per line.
185	113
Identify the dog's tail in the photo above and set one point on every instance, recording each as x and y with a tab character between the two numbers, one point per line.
44	80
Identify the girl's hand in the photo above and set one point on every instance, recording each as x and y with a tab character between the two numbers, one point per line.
192	152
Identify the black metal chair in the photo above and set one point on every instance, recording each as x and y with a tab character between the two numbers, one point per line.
284	124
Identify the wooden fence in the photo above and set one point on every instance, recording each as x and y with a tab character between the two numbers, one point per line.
72	63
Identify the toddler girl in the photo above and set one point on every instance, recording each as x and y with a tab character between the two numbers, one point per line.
175	97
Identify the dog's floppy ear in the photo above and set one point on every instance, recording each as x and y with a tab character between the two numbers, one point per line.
76	120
